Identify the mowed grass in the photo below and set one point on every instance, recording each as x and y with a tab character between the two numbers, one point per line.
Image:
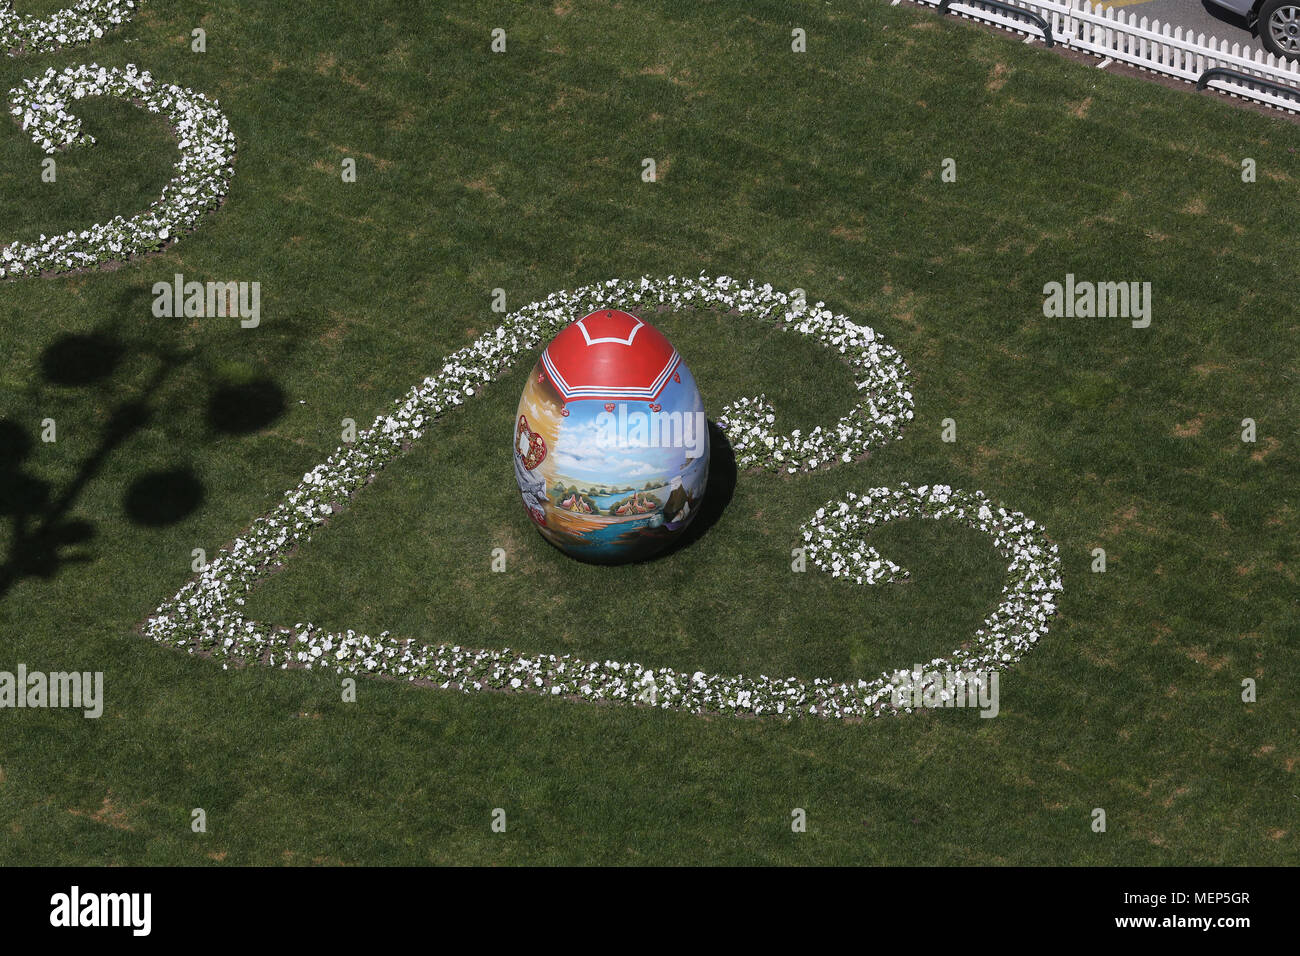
522	171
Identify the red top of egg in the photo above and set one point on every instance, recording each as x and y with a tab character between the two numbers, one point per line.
610	355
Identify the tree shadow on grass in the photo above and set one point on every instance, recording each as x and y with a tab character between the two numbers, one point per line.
160	498
75	360
240	409
40	532
43	532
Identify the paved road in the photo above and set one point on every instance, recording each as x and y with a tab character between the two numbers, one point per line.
1200	16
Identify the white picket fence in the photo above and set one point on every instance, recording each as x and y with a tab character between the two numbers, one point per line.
1127	38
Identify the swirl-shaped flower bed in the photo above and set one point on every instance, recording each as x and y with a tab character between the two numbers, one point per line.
200	178
836	541
84	21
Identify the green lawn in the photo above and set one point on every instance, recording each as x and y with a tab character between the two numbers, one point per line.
522	171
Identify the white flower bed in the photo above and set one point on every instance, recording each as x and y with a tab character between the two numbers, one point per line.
200	180
82	22
836	541
877	419
205	616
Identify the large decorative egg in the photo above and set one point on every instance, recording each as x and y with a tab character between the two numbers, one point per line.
611	445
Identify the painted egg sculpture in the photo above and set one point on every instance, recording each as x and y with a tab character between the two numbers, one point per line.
611	444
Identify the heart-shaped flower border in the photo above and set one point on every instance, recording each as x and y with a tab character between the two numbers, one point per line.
205	616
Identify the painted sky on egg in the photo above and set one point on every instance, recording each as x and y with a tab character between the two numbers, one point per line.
585	451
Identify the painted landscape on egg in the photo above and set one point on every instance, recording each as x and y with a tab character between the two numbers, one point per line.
611	479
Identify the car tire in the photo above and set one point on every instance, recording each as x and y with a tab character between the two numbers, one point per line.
1279	27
